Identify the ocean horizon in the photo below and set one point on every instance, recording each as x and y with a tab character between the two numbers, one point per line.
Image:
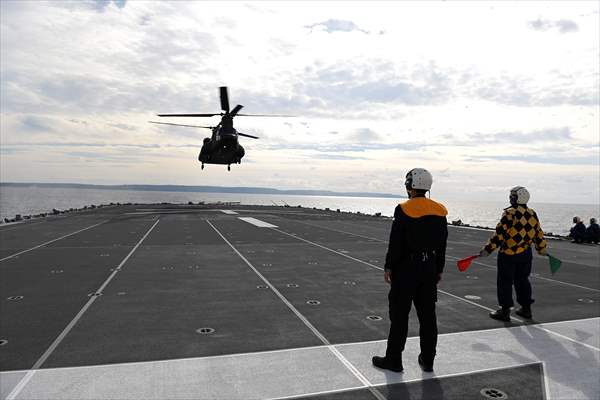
29	199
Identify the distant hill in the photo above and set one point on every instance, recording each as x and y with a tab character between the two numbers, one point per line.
211	189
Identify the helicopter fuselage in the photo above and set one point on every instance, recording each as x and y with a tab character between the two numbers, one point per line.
222	148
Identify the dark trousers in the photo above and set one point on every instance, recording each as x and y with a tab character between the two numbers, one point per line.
514	270
414	281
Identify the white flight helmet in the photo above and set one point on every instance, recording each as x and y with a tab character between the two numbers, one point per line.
418	178
519	194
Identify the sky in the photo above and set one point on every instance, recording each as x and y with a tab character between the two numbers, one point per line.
485	95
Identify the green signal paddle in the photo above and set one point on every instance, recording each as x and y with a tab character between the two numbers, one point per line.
554	264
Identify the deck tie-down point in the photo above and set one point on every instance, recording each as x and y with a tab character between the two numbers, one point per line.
205	331
262	287
584	300
491	393
313	302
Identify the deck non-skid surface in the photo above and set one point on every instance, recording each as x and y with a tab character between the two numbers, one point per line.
269	302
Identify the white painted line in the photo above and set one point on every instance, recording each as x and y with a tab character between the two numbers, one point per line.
496	349
328	249
545	384
257	222
532	276
306	322
523	322
305	395
277	293
441	291
477	371
230	212
448	256
15	392
51	241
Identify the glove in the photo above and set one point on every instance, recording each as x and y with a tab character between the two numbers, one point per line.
483	253
543	252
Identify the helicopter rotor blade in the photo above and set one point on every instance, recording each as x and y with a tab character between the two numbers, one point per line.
246	135
188	115
189	126
224	95
235	110
265	115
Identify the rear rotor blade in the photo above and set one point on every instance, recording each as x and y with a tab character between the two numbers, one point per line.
246	135
235	110
264	115
224	98
188	115
189	126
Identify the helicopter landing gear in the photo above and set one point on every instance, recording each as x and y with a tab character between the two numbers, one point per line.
202	167
229	168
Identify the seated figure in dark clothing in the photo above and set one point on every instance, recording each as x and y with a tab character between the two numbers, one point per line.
578	231
593	232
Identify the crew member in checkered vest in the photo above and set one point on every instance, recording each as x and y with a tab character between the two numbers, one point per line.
518	229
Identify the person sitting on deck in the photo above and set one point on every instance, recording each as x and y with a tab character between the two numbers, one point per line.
593	231
578	231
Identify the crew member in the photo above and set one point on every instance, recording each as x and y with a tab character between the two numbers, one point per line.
518	228
593	231
578	231
413	266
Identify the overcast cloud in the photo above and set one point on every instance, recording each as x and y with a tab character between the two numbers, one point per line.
492	94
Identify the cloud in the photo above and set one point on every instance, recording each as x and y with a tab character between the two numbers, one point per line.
337	157
543	135
524	91
336	25
105	145
562	25
363	135
34	124
101	5
540	159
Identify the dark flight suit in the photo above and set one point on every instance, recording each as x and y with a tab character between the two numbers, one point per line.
416	255
517	230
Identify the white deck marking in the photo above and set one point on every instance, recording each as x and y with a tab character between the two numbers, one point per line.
257	222
51	241
15	392
534	276
230	212
439	290
570	370
306	322
448	256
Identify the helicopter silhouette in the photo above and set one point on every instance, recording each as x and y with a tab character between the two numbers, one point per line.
223	146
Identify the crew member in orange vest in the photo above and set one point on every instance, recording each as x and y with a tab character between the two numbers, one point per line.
413	267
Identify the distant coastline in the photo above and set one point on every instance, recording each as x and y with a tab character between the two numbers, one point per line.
202	189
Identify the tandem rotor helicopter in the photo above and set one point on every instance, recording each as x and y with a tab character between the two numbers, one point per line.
223	146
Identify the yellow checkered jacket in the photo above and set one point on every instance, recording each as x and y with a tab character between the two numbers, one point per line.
517	229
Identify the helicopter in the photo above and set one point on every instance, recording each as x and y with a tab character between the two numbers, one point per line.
223	146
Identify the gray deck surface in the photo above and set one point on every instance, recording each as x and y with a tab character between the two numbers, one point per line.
113	300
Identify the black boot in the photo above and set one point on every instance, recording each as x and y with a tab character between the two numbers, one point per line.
501	314
427	367
386	363
524	312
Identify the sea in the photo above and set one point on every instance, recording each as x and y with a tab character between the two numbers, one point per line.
555	218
